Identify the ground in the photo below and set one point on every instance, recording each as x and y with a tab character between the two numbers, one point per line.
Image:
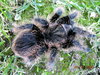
22	11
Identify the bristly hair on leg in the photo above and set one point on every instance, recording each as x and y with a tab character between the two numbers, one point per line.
57	13
41	22
67	19
74	14
77	44
18	29
83	33
51	63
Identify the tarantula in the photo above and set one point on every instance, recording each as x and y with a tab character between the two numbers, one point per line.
34	40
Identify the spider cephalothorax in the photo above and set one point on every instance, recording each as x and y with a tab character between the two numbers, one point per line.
33	40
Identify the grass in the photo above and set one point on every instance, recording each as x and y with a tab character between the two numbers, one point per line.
17	11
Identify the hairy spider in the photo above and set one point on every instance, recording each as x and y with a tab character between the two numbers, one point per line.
34	40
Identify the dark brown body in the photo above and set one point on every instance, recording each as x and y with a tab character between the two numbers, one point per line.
33	41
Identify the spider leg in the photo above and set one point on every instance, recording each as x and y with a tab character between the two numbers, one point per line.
77	44
41	22
51	63
67	19
32	59
26	26
56	15
83	32
40	51
73	15
17	29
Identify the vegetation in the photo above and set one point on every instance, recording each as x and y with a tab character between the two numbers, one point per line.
22	11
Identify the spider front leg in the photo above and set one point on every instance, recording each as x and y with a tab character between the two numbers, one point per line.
57	13
78	45
83	32
41	23
51	63
67	19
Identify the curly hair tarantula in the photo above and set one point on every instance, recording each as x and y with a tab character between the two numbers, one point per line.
34	40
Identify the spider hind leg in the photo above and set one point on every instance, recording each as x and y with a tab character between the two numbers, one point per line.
77	44
50	65
83	33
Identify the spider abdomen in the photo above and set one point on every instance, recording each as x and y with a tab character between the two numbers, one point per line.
29	43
